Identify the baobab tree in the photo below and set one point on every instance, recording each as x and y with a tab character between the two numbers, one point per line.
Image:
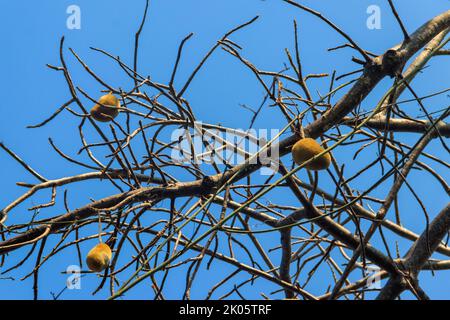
190	201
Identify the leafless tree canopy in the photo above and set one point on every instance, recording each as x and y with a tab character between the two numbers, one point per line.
208	220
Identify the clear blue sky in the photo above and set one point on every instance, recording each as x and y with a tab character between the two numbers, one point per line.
30	33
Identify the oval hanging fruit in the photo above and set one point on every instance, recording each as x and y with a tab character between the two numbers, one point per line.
106	109
305	149
98	258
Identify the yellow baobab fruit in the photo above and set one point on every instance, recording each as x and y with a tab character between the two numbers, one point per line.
106	109
305	149
98	258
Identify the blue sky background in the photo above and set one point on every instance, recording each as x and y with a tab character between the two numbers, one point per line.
31	30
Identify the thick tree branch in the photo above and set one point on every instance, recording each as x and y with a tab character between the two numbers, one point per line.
418	255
